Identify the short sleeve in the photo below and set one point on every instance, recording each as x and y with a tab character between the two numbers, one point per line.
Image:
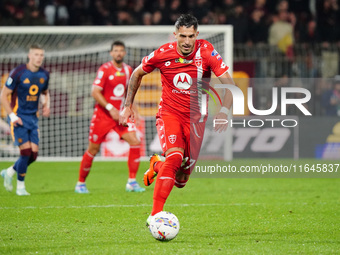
47	80
149	62
99	81
215	61
12	79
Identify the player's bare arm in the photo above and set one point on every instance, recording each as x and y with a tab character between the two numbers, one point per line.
227	102
99	97
45	100
133	86
5	94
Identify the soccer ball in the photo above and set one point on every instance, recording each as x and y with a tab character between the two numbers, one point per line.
164	226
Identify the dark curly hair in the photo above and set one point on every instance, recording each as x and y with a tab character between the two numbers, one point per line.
186	20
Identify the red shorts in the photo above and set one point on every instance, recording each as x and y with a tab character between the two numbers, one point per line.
101	124
174	132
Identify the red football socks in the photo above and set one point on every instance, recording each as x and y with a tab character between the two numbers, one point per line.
166	180
158	166
133	160
85	166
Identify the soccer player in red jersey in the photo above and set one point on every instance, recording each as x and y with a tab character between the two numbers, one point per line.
109	91
185	66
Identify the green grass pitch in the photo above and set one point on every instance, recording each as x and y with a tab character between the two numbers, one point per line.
217	216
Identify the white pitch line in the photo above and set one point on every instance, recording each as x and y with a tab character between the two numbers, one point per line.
110	206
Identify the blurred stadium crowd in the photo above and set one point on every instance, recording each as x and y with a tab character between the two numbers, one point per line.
255	21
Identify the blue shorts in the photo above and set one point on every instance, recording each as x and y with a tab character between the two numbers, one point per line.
29	131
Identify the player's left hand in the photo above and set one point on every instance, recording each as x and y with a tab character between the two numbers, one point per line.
221	127
114	114
124	116
136	118
46	111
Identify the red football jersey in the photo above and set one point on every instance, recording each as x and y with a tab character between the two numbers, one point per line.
113	82
185	78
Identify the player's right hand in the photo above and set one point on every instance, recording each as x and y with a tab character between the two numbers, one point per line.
18	122
46	111
124	116
15	119
136	118
221	127
114	114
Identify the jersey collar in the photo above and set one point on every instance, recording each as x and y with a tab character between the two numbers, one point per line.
116	67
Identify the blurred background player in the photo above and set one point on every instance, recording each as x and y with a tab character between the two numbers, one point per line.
20	99
331	99
108	90
185	67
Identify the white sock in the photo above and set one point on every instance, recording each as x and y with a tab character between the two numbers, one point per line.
80	183
131	179
20	184
10	171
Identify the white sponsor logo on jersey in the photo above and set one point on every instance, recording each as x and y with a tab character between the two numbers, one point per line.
118	91
182	81
223	65
97	81
111	77
167	63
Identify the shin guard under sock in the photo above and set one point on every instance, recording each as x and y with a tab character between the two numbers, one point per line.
133	161
165	180
85	166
